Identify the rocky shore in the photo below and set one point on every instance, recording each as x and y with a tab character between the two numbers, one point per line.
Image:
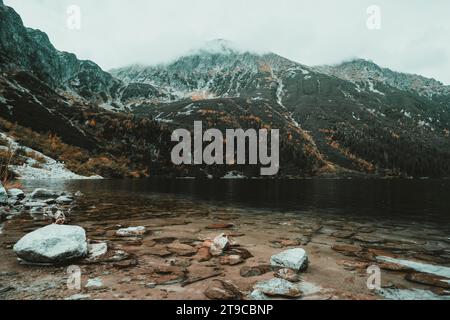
164	248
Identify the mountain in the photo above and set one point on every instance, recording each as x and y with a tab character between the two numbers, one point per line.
364	72
354	119
359	117
53	103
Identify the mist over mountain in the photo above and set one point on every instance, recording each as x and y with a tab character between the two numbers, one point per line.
355	118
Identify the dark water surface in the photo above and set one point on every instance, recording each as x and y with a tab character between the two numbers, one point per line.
411	200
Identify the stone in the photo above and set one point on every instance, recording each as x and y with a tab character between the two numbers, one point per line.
203	255
3	195
97	250
248	272
347	249
295	259
16	194
43	194
223	290
79	296
159	251
278	288
257	296
130	232
53	244
231	260
219	245
428	279
64	200
125	264
218	226
368	239
343	234
180	249
95	283
288	275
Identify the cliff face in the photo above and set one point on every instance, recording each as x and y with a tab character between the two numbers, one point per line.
32	51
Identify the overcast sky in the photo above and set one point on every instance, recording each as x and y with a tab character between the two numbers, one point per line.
414	35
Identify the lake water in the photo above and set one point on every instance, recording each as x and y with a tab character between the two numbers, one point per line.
409	200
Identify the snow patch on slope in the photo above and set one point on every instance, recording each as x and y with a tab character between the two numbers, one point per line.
48	169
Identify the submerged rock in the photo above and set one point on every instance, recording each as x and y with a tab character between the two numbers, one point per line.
96	283
64	200
130	232
278	288
52	244
43	194
248	272
180	249
97	250
223	290
295	259
429	279
16	194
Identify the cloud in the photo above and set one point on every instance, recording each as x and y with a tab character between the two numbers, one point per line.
414	35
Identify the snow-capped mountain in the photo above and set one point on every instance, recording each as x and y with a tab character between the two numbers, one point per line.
355	118
363	72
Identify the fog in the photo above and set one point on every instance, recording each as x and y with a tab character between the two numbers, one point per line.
414	35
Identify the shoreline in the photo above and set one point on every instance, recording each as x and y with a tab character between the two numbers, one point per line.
158	263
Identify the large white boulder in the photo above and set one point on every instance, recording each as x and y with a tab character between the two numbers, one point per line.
295	259
53	244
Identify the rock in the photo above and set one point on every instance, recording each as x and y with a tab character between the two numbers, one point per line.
78	194
347	250
159	251
352	265
53	244
223	290
278	288
132	231
288	275
219	245
257	296
368	239
16	194
203	255
97	250
96	283
3	195
180	249
34	204
218	226
126	264
343	234
247	272
231	260
295	259
183	263
243	253
43	194
429	279
64	200
150	285
79	296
